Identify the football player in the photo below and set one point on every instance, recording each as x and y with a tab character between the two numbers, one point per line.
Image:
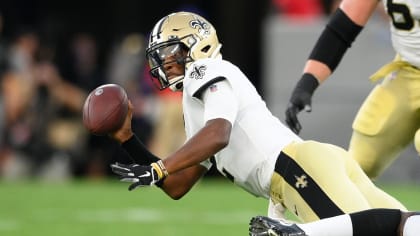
228	124
389	117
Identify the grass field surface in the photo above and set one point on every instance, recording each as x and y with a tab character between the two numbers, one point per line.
105	208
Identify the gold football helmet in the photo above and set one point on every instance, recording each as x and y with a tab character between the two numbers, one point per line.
184	36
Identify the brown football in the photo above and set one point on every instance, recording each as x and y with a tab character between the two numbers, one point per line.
105	109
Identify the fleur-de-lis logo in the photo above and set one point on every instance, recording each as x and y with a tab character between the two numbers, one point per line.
198	72
202	26
301	181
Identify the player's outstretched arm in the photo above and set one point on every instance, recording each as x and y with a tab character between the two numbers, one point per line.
178	184
340	32
184	166
175	185
182	169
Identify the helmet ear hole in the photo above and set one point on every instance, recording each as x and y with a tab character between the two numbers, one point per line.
206	49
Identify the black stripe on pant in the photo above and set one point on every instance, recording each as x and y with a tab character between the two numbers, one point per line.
307	188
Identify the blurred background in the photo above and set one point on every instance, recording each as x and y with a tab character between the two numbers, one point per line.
53	53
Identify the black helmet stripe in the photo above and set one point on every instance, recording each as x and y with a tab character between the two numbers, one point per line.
157	30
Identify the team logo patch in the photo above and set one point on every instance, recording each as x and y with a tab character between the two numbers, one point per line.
301	182
202	26
198	72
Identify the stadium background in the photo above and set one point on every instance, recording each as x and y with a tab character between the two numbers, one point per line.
268	45
237	24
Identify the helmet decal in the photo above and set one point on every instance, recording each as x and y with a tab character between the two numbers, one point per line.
198	72
202	26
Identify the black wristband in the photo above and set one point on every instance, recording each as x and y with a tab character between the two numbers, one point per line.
337	36
138	151
307	83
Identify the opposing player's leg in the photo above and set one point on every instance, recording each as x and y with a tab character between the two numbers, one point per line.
376	197
386	122
373	222
410	224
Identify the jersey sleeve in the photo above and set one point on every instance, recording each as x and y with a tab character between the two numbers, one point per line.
201	75
208	80
220	102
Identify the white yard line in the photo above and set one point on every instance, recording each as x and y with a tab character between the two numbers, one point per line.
8	225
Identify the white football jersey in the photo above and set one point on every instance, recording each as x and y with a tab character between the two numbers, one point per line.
257	136
405	28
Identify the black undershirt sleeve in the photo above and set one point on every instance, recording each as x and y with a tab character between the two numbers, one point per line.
138	151
336	38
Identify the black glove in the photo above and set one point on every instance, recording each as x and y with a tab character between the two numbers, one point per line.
301	99
140	176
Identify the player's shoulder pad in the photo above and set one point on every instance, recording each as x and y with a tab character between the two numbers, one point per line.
204	72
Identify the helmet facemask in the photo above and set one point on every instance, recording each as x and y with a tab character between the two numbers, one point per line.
163	55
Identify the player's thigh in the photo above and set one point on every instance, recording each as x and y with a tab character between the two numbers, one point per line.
376	197
315	184
384	125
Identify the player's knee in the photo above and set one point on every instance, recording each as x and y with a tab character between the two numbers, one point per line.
370	163
370	167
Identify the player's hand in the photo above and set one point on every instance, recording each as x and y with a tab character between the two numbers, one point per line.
138	175
124	132
301	99
298	102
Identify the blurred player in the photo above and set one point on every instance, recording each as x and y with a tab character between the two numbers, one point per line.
374	222
228	124
389	118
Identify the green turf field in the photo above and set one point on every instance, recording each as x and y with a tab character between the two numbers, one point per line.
107	208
